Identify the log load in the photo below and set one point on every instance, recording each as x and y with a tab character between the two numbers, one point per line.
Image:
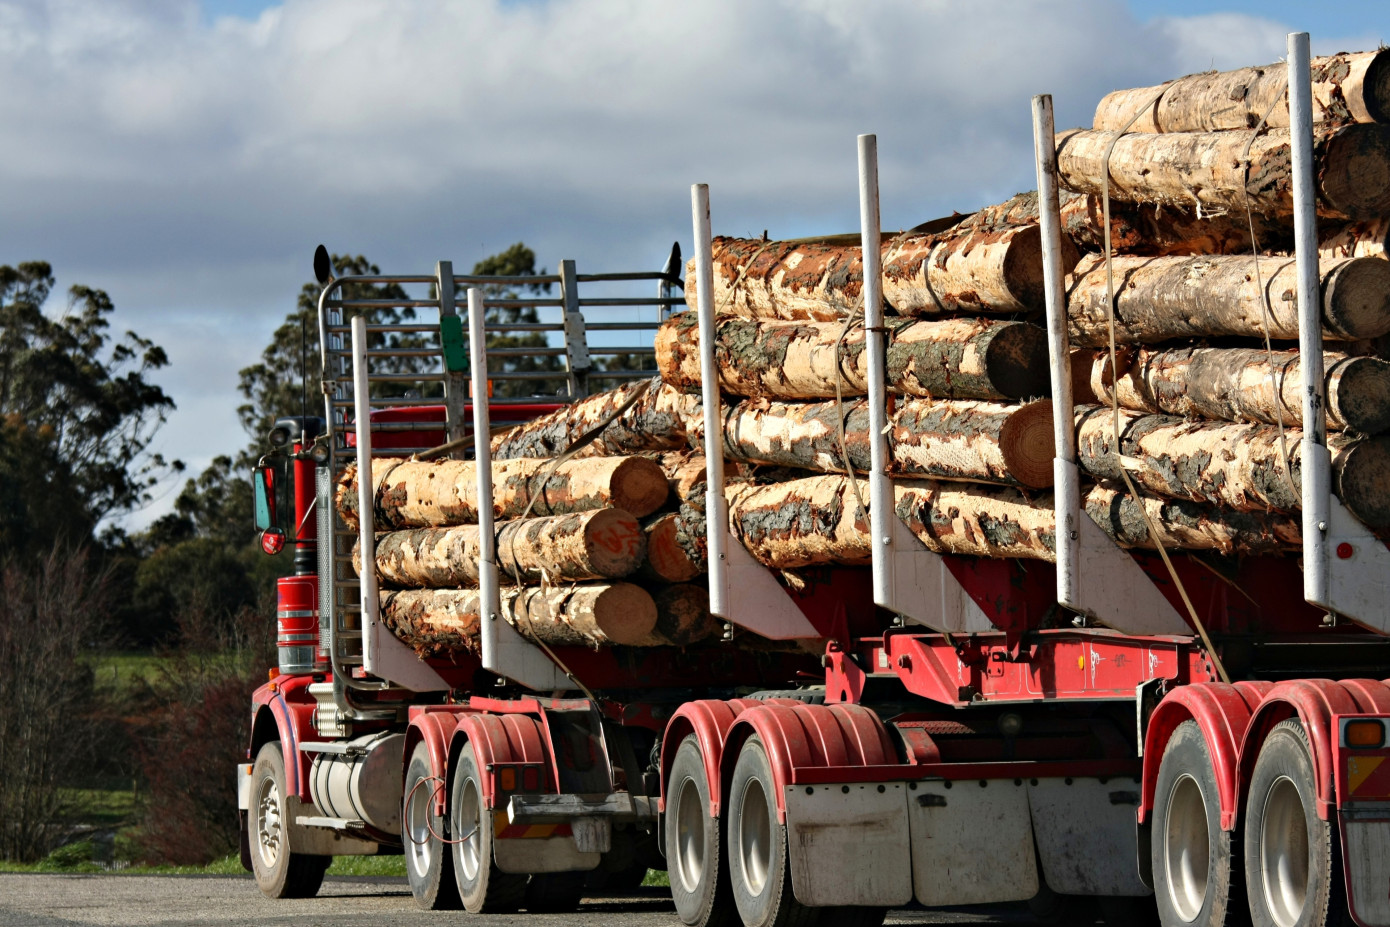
1235	466
602	544
959	439
666	560
657	422
1239	385
1171	169
812	521
947	358
1147	230
437	622
1356	239
997	270
683	616
1346	88
1157	299
437	493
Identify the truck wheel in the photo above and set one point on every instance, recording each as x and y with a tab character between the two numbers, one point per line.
1193	877
1292	862
279	873
427	865
758	865
699	879
482	887
554	892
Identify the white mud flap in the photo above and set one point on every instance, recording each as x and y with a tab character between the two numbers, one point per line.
848	844
971	845
1366	855
1085	833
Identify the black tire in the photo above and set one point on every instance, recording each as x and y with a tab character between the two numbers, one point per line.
1197	882
279	873
554	892
1293	865
427	859
759	869
694	857
482	887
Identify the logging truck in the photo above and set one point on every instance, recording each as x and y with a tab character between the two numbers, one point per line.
1085	720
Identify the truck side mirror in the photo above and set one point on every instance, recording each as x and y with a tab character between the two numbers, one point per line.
263	484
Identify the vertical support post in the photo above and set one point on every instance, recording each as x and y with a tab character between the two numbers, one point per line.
1317	464
366	489
455	391
576	336
505	651
489	595
1067	481
716	506
880	488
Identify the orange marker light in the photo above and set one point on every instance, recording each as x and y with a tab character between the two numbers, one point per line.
507	779
1364	734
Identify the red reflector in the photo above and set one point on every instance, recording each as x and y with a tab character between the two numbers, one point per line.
1345	550
507	780
1364	734
530	778
272	541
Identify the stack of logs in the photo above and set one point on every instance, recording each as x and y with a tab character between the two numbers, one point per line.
1208	420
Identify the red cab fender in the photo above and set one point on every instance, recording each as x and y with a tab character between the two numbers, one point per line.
501	738
709	720
1222	712
284	707
1313	702
798	736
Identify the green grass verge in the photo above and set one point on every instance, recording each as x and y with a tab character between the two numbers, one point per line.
657	878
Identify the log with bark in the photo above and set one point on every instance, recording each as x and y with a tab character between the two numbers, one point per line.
657	422
1240	385
602	544
960	439
815	520
666	560
995	270
1356	239
437	622
946	358
436	493
1239	467
1346	88
1157	299
1174	169
1140	229
1185	525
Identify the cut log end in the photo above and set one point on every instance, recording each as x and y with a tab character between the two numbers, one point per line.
1357	302
1023	268
1362	480
1016	361
1027	443
629	613
613	542
1356	172
639	486
1375	92
1362	400
682	615
666	560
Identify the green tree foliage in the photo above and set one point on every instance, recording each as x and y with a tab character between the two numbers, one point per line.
77	413
530	347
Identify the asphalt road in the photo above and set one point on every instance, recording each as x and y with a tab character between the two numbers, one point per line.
228	901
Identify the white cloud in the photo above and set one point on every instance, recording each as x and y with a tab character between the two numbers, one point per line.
190	167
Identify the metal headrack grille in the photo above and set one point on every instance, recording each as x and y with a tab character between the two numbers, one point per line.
407	368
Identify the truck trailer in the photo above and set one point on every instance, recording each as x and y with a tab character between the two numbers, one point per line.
1136	730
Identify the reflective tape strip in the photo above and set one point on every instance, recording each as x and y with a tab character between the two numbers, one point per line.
301	613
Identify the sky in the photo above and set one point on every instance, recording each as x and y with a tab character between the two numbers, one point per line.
188	156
